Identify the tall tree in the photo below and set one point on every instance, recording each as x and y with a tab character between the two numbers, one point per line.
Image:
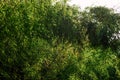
101	23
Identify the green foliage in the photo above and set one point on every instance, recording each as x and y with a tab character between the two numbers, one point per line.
101	23
49	40
99	64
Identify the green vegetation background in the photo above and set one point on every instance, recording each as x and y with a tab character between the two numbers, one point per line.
50	40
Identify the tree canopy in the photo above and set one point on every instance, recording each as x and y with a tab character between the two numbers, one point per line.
51	40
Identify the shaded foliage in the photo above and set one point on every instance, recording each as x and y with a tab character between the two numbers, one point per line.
101	23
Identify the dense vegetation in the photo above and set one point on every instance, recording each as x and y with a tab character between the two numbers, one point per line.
50	40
